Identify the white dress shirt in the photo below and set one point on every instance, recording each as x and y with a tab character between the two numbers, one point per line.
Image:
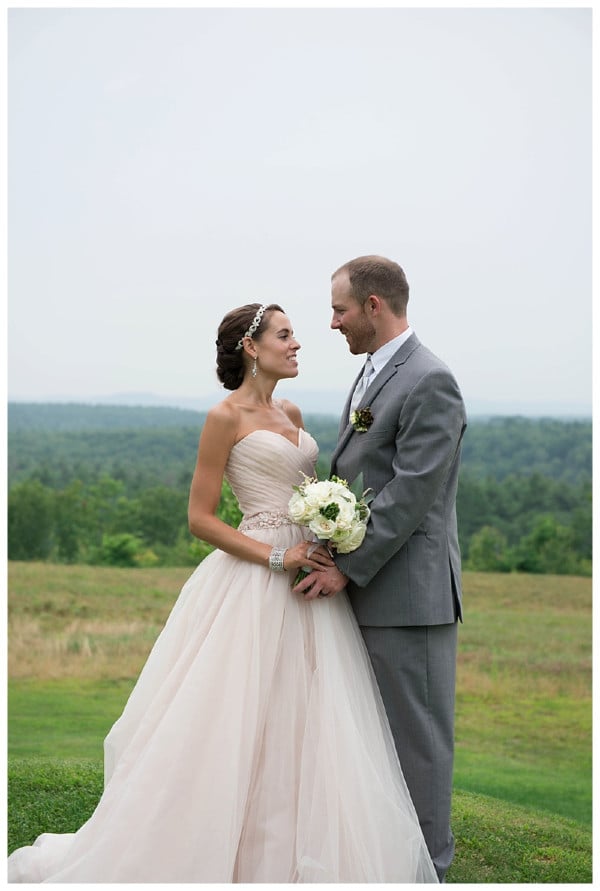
383	355
374	363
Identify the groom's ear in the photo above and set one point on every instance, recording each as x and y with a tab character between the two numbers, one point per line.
373	305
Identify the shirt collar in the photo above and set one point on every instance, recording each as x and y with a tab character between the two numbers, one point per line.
383	355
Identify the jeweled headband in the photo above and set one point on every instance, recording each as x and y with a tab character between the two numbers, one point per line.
252	328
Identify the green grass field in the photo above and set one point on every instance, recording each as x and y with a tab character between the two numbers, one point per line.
79	635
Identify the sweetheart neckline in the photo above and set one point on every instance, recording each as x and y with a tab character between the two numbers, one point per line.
274	433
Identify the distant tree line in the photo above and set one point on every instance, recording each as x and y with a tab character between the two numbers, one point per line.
98	523
117	494
525	523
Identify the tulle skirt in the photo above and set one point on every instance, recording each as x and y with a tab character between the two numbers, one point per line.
253	748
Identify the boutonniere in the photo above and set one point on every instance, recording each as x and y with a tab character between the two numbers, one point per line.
361	419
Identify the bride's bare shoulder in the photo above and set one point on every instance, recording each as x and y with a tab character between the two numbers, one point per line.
223	418
293	412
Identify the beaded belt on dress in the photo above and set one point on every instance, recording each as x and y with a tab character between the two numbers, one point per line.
265	519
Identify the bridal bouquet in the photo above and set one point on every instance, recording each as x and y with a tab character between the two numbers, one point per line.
331	511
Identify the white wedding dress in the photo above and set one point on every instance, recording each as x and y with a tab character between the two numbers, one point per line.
254	747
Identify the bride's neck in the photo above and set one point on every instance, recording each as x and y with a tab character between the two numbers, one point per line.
259	393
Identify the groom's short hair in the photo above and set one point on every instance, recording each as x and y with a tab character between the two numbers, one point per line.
380	276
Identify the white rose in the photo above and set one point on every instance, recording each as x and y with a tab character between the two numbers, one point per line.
342	491
317	494
322	527
298	510
347	513
353	539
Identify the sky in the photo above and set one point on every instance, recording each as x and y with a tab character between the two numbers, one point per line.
167	165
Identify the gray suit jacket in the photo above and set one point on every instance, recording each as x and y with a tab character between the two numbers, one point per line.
407	570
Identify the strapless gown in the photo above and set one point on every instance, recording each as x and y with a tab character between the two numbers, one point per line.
254	746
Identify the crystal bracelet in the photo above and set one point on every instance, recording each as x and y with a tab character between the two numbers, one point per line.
276	559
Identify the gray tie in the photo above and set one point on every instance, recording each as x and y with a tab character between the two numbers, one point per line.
362	384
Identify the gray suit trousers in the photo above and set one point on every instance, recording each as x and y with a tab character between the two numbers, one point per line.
415	669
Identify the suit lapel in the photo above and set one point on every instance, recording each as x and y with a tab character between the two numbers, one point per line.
345	428
385	375
346	412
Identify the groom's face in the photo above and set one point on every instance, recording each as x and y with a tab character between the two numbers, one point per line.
350	317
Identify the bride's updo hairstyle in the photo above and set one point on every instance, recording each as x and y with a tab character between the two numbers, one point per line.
230	357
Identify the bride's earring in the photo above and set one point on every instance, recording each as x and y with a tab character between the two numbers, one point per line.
253	369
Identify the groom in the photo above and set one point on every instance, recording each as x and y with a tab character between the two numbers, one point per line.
402	428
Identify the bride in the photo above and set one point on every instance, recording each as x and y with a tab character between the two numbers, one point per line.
254	746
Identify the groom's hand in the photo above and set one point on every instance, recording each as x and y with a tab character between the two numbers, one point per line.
322	583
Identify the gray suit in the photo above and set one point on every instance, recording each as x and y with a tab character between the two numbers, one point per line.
405	582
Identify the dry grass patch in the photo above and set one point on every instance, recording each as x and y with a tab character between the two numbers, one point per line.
530	634
84	649
84	621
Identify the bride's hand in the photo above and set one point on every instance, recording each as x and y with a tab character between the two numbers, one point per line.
298	556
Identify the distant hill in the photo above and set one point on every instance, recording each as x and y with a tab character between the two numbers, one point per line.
161	442
73	416
325	402
555	448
